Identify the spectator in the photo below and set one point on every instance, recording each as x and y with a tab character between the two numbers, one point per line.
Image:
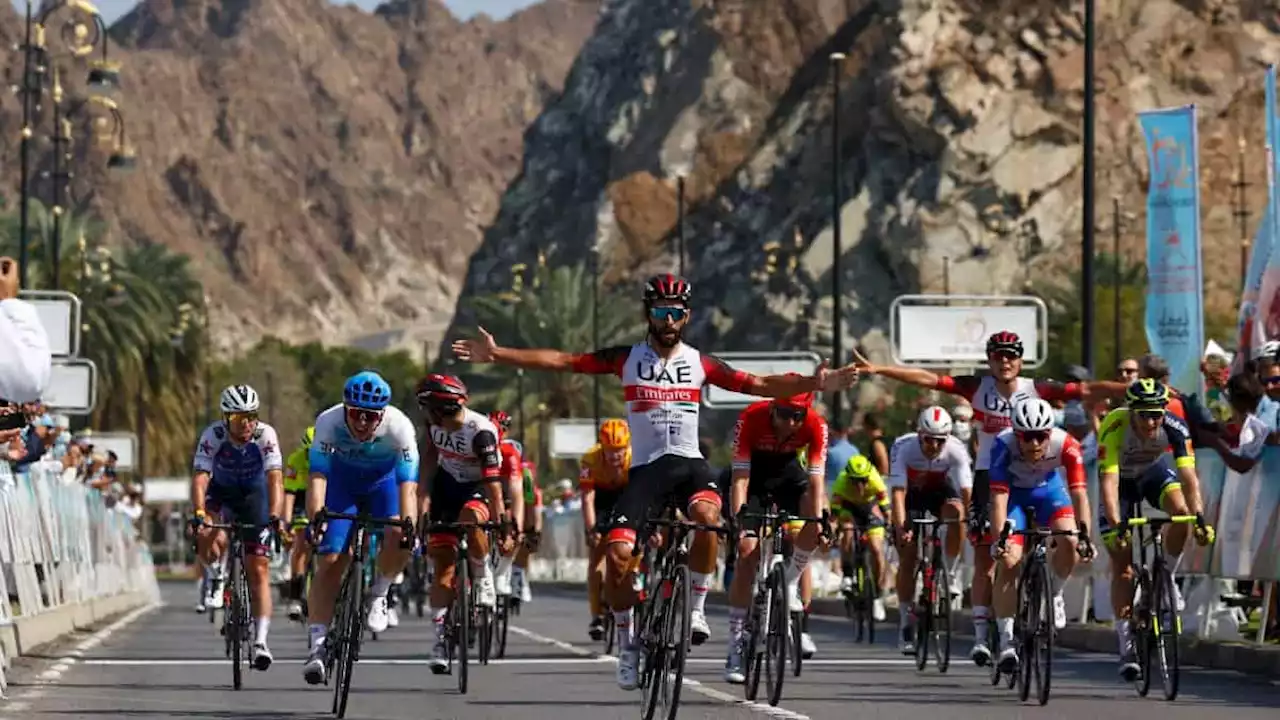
1245	392
1268	410
25	359
962	427
1127	371
878	450
1187	407
71	465
839	452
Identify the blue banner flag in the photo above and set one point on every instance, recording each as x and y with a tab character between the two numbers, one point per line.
1175	309
1250	328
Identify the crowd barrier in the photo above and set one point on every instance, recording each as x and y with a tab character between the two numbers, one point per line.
60	546
1243	507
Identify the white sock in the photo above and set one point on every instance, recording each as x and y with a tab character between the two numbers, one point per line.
800	560
505	566
1004	626
622	627
437	619
380	587
701	585
737	619
317	632
261	625
953	565
1122	634
981	616
1174	561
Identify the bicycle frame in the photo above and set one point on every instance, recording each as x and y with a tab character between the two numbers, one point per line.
929	566
1153	586
236	603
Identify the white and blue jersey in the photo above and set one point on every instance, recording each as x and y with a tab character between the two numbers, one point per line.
1037	486
362	475
237	487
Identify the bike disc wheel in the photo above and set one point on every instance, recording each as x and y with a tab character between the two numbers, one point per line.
777	640
231	621
940	615
462	622
924	620
1166	625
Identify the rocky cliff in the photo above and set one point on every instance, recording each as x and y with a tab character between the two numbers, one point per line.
960	128
329	170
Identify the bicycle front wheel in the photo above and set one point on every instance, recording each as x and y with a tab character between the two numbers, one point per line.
352	634
462	617
1166	624
668	677
869	591
1143	629
940	613
1029	599
924	616
232	617
777	640
1042	638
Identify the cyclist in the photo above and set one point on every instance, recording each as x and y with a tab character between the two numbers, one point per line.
989	395
662	382
296	470
461	482
532	530
238	478
512	472
860	498
603	473
928	472
364	458
1037	468
766	440
1135	447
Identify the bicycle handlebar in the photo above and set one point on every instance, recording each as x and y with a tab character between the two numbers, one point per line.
1157	522
367	520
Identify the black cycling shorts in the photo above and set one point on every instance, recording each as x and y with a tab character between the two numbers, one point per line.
671	479
448	498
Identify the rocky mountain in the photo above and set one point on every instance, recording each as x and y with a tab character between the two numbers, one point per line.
960	126
329	170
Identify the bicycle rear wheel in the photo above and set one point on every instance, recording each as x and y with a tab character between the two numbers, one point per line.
1166	626
940	613
1042	639
232	618
993	641
462	616
777	640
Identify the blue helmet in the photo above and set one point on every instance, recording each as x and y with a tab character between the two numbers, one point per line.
366	390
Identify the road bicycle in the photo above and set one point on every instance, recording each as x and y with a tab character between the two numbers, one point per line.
933	606
236	623
860	598
1156	623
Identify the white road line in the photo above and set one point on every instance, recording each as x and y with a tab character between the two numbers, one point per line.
595	660
698	687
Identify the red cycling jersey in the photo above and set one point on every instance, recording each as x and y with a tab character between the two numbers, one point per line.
754	439
512	463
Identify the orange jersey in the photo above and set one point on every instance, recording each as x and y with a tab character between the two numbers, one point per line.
596	472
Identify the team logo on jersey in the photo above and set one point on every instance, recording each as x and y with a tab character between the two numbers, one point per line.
219	431
206	448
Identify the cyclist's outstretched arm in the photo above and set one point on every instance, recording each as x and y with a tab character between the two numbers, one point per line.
485	349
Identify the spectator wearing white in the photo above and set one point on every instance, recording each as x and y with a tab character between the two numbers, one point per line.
25	359
1245	392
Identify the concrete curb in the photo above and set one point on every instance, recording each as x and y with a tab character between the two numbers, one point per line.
1216	654
26	634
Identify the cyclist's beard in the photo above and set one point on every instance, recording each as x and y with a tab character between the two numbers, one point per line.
665	337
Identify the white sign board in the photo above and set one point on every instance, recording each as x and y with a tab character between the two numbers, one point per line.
124	445
572	438
73	387
939	330
758	363
174	490
59	313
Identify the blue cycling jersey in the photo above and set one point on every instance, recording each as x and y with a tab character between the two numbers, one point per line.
337	455
229	464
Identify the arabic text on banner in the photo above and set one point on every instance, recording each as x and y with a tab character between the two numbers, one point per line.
1175	317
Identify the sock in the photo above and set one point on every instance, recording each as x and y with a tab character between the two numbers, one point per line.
701	585
380	587
505	566
622	627
215	570
437	619
981	616
737	619
953	564
316	631
800	560
1004	626
260	627
1174	561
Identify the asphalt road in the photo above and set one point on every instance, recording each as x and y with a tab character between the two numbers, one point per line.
167	663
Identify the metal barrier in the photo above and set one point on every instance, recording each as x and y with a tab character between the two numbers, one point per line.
60	544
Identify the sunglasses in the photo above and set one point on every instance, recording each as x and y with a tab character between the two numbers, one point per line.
933	439
242	417
674	314
1149	414
1034	436
359	415
792	414
1274	379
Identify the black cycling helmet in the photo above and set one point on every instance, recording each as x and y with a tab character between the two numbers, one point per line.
443	393
1005	341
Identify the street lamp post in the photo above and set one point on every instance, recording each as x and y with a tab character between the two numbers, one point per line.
82	32
1086	245
517	300
1242	210
1117	266
837	199
680	223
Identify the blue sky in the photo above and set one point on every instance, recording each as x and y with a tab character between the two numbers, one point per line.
498	9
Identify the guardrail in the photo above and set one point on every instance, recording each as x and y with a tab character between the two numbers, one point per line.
60	545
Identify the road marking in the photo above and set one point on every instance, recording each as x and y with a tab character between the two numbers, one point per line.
696	686
594	660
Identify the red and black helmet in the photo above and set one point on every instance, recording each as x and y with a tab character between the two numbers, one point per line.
445	392
501	419
667	287
1005	341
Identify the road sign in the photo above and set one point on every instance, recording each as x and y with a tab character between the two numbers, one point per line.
942	330
59	313
123	444
758	363
73	387
572	438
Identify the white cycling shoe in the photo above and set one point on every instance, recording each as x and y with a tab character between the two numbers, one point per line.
378	619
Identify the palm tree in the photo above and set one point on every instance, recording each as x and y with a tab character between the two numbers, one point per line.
138	311
553	311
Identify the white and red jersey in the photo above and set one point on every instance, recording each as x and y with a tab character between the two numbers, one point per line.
470	453
910	468
663	395
991	409
1010	469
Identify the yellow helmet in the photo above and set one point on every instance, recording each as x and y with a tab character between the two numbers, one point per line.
860	467
615	434
308	437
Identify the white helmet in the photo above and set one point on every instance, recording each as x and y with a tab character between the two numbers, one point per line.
963	431
1033	414
934	421
238	398
1270	348
962	412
